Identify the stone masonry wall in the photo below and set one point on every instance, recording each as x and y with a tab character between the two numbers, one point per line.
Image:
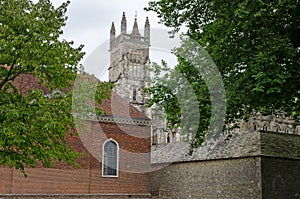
280	178
74	196
225	179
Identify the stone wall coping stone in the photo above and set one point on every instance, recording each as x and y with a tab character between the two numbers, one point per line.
17	196
236	145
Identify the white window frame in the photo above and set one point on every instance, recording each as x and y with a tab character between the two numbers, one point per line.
103	154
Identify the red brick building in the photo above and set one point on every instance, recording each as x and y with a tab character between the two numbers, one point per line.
117	144
118	156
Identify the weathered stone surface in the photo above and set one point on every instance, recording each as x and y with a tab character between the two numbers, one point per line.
246	165
236	145
167	153
280	178
280	145
71	196
232	178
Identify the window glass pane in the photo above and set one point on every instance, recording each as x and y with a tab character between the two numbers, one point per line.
110	159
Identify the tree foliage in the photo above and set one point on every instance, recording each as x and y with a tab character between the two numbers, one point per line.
34	125
255	45
187	97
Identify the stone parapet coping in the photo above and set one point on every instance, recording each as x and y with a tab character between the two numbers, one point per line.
236	145
78	196
119	120
125	120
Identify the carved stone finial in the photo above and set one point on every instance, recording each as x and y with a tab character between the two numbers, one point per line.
147	24
123	24
147	30
135	30
113	29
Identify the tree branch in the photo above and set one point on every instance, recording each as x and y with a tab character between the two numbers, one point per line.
8	74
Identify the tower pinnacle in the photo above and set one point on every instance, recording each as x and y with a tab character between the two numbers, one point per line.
147	24
123	24
112	30
147	30
135	30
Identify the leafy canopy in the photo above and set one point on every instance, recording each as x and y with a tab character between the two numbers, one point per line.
255	45
35	123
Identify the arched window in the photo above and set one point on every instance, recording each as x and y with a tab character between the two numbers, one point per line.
255	126
277	128
110	159
265	127
168	138
134	94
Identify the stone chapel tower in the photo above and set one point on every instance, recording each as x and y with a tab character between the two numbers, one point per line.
129	63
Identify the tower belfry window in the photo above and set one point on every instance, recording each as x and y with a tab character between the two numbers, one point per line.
134	94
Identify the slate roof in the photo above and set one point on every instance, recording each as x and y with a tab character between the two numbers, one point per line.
245	144
171	152
25	82
116	106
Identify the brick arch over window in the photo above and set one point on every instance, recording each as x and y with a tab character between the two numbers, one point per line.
110	158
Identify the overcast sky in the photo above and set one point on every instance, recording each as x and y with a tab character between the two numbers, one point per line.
89	23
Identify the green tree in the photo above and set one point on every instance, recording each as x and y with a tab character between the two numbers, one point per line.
34	125
254	44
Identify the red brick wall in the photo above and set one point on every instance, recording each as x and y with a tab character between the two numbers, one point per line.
134	159
6	180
